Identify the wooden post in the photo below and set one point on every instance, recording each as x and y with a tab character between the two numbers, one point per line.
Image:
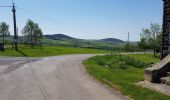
15	28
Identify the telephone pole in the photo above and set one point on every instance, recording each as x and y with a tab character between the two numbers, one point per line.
128	37
15	28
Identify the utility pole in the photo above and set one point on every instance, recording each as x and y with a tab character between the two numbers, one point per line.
15	28
3	41
128	37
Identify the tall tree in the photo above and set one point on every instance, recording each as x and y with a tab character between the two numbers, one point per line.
4	30
38	34
33	33
143	43
151	38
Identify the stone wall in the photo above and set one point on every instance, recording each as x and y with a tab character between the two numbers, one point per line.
166	29
158	71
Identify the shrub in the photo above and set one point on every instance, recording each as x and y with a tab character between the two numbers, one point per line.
122	65
134	62
119	61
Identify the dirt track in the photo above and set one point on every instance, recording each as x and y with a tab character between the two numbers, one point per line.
50	78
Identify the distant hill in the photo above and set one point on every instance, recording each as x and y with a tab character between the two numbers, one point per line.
68	41
112	40
65	37
59	37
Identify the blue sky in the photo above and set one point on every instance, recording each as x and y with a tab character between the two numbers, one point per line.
86	19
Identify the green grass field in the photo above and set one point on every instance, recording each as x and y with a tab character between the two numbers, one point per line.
148	58
49	51
109	70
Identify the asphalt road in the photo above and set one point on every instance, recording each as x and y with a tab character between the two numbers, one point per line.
50	78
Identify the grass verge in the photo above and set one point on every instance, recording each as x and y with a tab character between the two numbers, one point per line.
148	58
123	79
48	51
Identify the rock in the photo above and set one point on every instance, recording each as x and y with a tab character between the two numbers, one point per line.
168	74
158	71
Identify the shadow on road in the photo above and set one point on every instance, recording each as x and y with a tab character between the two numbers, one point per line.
21	52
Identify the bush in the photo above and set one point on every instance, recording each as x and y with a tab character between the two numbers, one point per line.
119	61
122	65
134	62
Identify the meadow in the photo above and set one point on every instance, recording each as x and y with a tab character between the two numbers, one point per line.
48	51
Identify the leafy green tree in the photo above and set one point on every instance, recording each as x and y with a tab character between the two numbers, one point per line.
143	43
33	33
151	38
38	36
4	30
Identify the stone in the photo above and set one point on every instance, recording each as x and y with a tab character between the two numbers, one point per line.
159	70
165	80
168	74
168	82
161	88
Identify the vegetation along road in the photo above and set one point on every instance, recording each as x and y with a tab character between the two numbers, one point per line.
50	78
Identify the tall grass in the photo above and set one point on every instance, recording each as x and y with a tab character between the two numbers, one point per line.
119	60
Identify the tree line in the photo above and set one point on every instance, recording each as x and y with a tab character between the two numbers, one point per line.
32	33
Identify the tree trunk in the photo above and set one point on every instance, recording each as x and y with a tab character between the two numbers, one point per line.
154	53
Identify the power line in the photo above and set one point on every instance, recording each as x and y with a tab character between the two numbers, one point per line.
8	6
14	21
54	20
5	6
46	17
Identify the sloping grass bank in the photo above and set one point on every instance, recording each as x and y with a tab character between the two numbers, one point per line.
108	69
48	51
148	58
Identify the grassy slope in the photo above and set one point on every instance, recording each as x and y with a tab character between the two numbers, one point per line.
124	80
148	58
49	51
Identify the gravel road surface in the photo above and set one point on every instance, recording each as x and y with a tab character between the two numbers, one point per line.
50	78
